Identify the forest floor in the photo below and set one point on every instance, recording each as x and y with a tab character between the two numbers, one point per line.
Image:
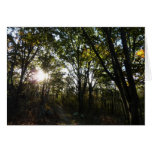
58	115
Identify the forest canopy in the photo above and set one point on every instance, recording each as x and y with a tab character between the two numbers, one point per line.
75	75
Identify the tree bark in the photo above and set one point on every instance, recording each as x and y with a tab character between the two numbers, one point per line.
134	97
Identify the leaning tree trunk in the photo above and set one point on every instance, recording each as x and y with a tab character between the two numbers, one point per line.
132	88
128	94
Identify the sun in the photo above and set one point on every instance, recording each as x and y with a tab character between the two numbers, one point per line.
40	75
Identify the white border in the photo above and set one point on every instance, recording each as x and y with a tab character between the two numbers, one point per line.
75	13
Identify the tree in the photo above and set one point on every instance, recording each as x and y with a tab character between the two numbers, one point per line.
128	92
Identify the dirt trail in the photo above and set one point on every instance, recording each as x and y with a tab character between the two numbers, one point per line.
66	118
57	115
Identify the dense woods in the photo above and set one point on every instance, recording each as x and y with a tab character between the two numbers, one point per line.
75	75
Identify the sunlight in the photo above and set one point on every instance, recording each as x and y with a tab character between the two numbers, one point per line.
40	75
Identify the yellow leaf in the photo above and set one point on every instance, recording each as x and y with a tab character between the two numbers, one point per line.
96	46
127	83
141	53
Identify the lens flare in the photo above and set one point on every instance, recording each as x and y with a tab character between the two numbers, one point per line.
40	75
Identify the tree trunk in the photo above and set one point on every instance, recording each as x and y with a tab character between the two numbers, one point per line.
90	96
80	100
133	92
128	94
